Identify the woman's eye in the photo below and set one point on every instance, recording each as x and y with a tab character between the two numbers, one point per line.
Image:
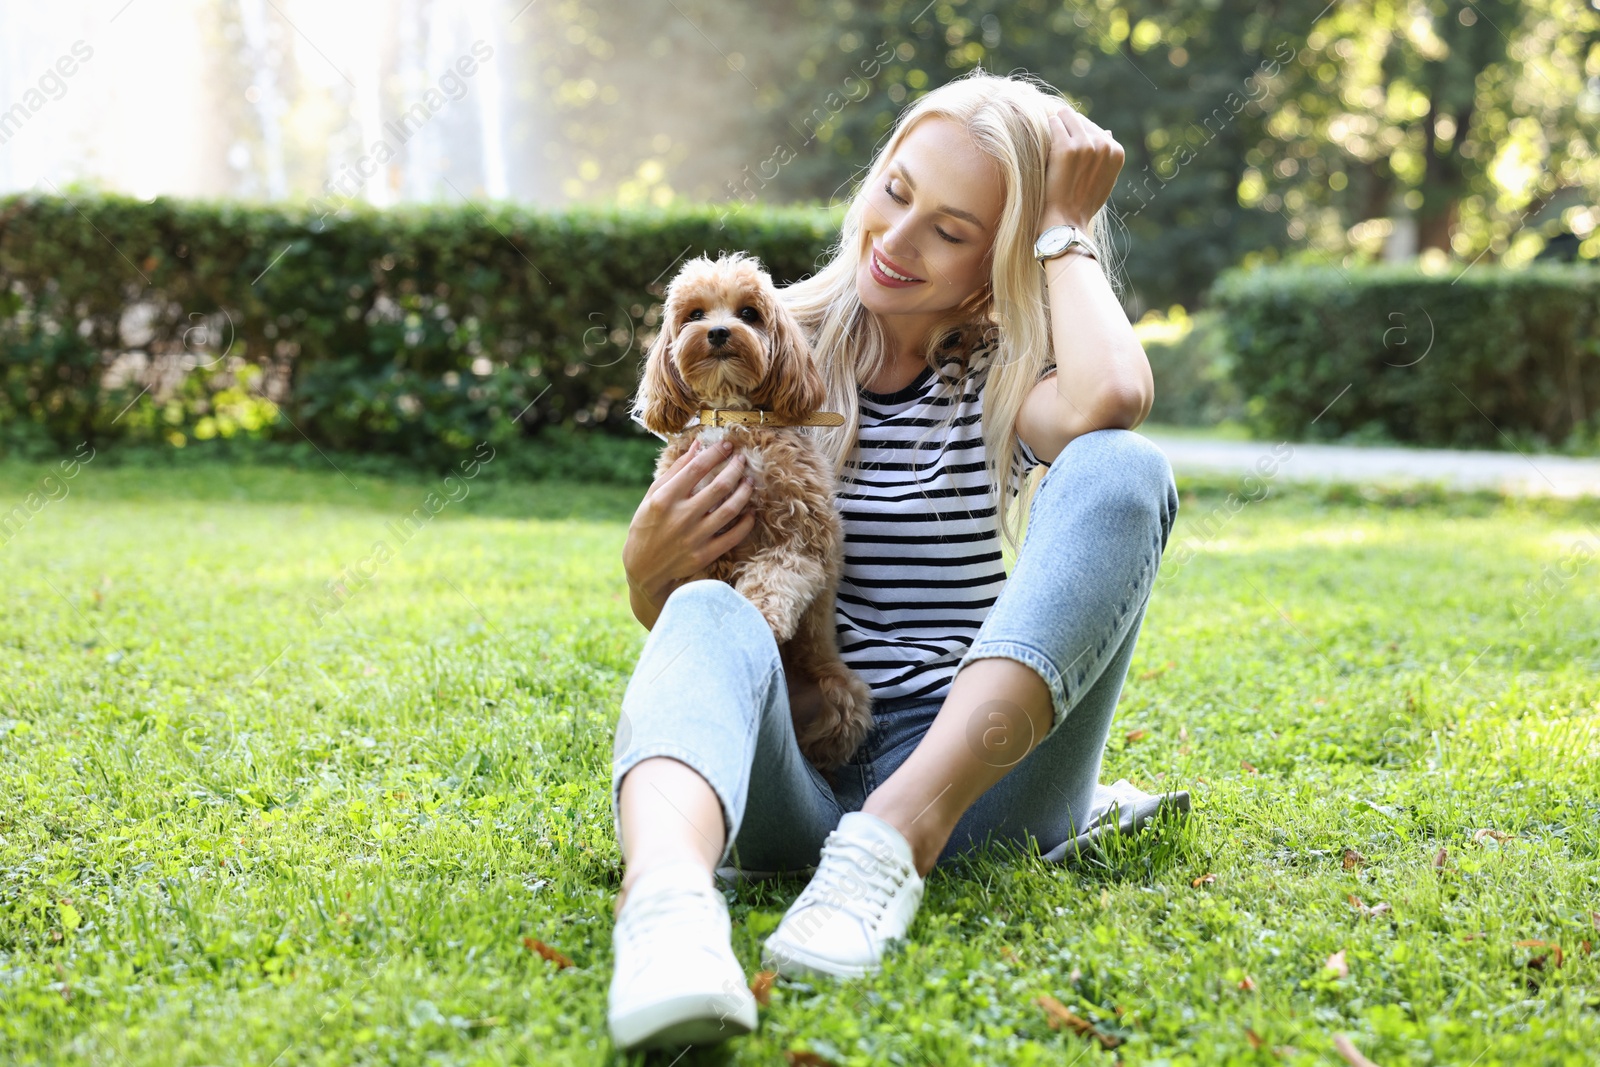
694	314
889	188
750	315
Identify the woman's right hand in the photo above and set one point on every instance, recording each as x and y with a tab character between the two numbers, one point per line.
677	532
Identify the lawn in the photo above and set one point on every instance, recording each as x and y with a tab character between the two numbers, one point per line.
247	819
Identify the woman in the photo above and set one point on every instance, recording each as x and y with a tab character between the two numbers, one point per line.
955	355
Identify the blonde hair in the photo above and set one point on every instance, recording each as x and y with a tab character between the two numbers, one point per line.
1008	118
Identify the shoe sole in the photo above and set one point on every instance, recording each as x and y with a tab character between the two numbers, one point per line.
689	1019
791	960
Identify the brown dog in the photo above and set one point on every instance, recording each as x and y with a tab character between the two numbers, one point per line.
726	342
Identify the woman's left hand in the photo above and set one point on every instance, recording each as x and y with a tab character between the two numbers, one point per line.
1082	168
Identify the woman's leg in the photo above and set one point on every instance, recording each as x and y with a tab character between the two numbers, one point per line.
704	731
705	759
1047	665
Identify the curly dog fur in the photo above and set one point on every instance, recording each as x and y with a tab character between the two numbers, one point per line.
727	342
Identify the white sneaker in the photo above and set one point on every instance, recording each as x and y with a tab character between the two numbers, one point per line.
676	980
864	895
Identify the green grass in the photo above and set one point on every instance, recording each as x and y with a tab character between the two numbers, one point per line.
231	834
1222	431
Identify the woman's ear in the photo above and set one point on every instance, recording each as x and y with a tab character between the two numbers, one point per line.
793	387
665	403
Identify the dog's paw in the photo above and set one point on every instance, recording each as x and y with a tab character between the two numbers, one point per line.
779	611
843	721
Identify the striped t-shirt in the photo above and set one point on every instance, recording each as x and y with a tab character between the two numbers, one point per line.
922	560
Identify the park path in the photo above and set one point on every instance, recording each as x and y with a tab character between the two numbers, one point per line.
1513	473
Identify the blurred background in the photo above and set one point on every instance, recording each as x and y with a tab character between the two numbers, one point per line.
1356	129
1438	135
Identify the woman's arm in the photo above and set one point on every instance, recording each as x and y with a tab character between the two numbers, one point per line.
1103	379
647	609
678	529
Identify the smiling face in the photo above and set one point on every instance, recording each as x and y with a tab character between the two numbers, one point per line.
932	218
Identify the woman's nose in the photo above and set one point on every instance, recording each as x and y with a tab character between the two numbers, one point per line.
897	245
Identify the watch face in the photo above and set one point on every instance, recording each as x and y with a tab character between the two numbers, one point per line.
1054	240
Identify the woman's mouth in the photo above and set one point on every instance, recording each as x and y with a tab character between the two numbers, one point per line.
885	273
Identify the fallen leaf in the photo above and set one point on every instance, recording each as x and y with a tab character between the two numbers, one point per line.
1005	950
1253	1037
1585	946
1137	735
1058	1015
1248	769
1485	834
806	1059
1353	859
1351	1054
1247	984
1204	879
1157	672
1473	937
1538	962
1376	909
1183	733
535	945
1441	859
1336	963
761	986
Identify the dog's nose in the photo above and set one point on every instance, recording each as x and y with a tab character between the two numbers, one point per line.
718	335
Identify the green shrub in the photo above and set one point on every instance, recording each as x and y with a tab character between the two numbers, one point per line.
1192	367
414	332
1484	357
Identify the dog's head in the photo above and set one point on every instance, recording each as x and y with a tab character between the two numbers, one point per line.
726	337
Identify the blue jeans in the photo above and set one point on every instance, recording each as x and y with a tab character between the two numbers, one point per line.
709	687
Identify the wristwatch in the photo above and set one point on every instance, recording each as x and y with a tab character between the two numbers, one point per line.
1058	239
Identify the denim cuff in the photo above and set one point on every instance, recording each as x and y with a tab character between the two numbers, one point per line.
1028	656
634	756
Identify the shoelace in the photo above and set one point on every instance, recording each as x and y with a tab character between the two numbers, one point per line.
831	886
667	907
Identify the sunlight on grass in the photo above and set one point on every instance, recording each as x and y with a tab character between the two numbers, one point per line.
267	795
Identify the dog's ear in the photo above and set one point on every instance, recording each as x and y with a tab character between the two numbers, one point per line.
793	387
665	403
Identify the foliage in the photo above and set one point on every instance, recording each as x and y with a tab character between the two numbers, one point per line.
229	834
415	331
1192	367
1482	358
1255	132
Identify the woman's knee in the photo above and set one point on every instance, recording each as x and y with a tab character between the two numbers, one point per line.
706	672
1123	473
716	612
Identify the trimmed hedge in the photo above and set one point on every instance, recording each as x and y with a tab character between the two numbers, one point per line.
414	331
1477	359
418	331
1193	372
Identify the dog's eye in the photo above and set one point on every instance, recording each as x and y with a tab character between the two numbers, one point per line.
695	313
750	314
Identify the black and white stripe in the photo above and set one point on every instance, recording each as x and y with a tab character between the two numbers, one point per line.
922	563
